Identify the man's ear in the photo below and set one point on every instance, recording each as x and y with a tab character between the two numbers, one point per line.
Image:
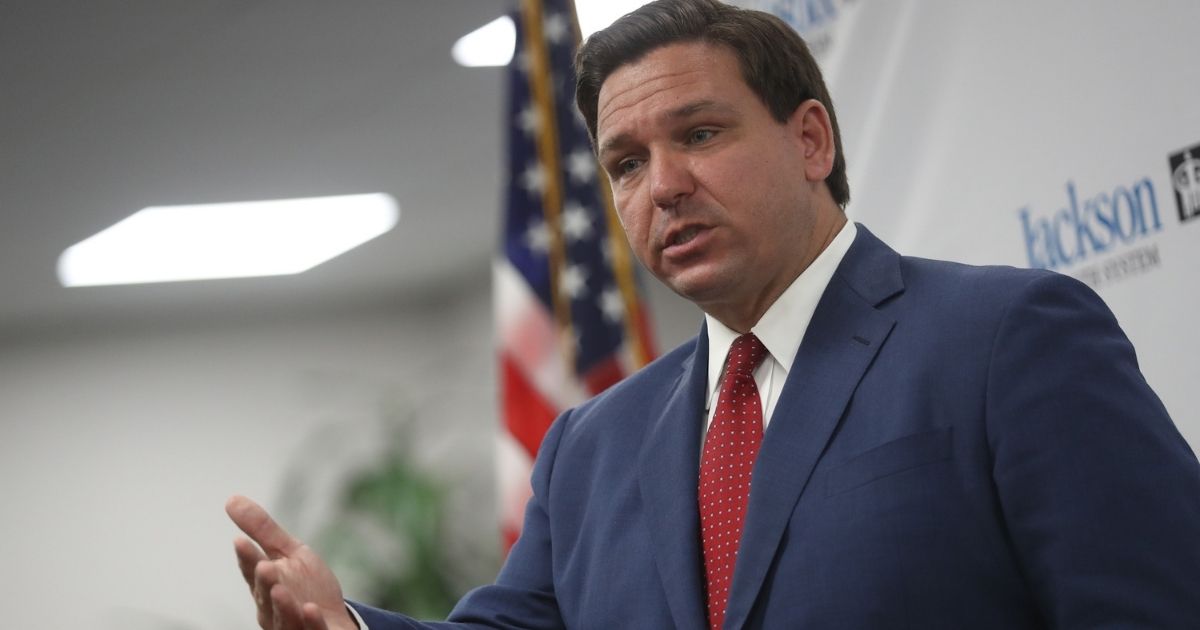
810	127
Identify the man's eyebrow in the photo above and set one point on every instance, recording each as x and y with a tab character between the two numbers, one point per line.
683	111
696	107
612	144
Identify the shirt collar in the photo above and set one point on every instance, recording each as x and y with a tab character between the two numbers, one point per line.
782	327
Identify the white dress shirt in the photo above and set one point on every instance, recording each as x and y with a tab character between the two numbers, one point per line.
780	329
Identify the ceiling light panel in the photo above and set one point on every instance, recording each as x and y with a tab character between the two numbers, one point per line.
227	240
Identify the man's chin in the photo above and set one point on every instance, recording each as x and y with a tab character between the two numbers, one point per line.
701	289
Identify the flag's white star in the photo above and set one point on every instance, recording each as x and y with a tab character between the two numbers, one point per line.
529	120
537	238
612	305
576	224
573	281
556	27
581	165
533	180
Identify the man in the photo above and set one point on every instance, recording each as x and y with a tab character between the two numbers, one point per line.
855	439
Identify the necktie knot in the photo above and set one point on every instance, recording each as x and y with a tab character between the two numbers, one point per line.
745	354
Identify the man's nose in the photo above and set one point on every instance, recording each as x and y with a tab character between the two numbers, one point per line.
670	180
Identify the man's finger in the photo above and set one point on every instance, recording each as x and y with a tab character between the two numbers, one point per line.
313	619
258	525
248	557
287	610
266	576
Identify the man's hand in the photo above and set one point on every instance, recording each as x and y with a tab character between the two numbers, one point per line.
292	586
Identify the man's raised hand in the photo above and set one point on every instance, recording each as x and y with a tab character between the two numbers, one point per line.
292	586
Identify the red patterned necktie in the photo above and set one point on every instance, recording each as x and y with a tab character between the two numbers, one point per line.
725	465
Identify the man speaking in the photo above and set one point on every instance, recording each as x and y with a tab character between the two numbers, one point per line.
855	439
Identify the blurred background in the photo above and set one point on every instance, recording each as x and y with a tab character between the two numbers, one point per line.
365	391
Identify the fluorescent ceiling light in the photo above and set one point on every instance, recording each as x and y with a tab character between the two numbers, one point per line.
489	45
492	44
226	240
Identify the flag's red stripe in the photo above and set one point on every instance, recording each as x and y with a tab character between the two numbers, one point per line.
645	332
603	375
527	415
509	536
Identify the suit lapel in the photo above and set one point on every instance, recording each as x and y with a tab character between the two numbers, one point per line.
668	466
842	339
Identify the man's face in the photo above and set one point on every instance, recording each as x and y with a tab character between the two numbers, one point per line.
710	188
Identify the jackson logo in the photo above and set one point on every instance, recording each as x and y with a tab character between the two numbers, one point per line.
1090	224
814	19
1185	178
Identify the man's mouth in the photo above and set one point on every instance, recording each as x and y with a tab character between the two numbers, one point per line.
684	236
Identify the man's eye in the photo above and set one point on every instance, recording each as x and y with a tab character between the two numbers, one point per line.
701	135
625	167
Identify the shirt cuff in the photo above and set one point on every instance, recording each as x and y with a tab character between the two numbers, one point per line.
362	625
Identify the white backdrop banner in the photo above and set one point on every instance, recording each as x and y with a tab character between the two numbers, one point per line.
1061	135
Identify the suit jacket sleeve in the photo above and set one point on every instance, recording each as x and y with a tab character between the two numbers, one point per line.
1100	492
523	594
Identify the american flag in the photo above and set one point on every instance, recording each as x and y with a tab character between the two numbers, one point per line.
569	319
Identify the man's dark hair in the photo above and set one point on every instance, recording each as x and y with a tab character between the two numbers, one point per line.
774	60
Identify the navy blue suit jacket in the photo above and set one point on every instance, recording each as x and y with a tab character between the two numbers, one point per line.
955	447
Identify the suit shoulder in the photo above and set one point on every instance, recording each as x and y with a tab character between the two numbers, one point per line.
991	285
920	269
647	380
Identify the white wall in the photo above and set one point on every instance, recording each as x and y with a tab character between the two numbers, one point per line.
119	449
